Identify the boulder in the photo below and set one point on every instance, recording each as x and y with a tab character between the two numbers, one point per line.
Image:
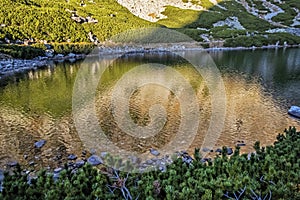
294	111
154	152
95	160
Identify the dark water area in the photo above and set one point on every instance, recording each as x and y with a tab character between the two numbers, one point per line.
121	96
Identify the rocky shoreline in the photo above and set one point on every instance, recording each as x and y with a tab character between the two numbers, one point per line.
10	66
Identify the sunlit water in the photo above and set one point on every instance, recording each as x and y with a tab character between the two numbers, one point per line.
260	86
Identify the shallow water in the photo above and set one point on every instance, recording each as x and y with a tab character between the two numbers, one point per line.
134	102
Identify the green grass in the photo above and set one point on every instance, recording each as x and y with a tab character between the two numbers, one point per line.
178	18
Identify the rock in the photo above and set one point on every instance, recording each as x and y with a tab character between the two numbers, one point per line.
232	22
56	176
94	160
294	111
79	163
72	157
154	152
12	163
162	168
92	151
83	153
59	56
187	159
31	163
1	176
49	53
240	144
57	170
219	150
48	46
93	38
71	55
103	154
206	149
40	144
7	40
229	151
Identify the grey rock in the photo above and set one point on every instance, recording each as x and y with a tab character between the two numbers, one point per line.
72	157
57	170
103	154
40	144
31	163
154	152
56	176
206	149
162	168
79	163
229	151
219	150
12	163
95	160
71	55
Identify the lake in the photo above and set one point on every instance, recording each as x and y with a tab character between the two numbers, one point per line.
127	104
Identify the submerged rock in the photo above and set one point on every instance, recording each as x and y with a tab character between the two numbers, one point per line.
40	144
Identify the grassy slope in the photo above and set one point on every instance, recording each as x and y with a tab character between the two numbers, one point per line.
49	20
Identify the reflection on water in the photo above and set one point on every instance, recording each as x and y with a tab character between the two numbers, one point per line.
260	86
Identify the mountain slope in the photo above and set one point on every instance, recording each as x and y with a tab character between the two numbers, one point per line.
213	22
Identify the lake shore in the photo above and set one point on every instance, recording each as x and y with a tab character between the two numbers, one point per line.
10	66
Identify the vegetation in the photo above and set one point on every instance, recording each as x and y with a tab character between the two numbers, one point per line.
271	172
51	21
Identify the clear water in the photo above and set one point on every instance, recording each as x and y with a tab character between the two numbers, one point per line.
259	85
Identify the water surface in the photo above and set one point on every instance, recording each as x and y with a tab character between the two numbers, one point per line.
260	86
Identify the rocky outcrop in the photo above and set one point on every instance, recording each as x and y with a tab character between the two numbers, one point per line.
232	22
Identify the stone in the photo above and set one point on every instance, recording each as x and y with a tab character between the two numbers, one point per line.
31	163
79	163
94	160
219	150
103	154
162	168
72	157
56	176
12	163
71	55
39	144
57	170
59	56
154	152
229	151
206	149
294	111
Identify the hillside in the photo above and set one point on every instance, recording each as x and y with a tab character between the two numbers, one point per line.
213	22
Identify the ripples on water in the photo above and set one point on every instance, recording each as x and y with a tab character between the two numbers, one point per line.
260	87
